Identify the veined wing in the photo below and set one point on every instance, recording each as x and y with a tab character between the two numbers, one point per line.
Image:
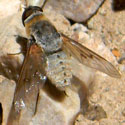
88	57
31	78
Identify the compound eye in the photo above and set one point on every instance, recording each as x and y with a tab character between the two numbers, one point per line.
29	11
25	15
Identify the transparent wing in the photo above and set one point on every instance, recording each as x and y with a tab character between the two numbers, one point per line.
32	77
88	57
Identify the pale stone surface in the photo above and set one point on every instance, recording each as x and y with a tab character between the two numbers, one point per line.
56	113
108	25
8	8
82	121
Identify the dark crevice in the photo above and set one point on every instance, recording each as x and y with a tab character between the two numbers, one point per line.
71	21
36	104
1	114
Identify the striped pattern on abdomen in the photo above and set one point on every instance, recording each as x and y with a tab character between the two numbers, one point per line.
58	69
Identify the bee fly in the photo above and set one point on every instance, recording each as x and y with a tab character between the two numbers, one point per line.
48	57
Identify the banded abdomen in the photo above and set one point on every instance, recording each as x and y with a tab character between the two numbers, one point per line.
58	69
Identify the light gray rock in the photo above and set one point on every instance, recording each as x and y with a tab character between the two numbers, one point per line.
77	10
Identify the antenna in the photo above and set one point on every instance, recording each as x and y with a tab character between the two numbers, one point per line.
44	2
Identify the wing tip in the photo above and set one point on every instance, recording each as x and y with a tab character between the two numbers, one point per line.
116	74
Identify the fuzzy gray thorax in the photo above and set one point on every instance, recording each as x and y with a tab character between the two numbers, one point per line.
46	35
